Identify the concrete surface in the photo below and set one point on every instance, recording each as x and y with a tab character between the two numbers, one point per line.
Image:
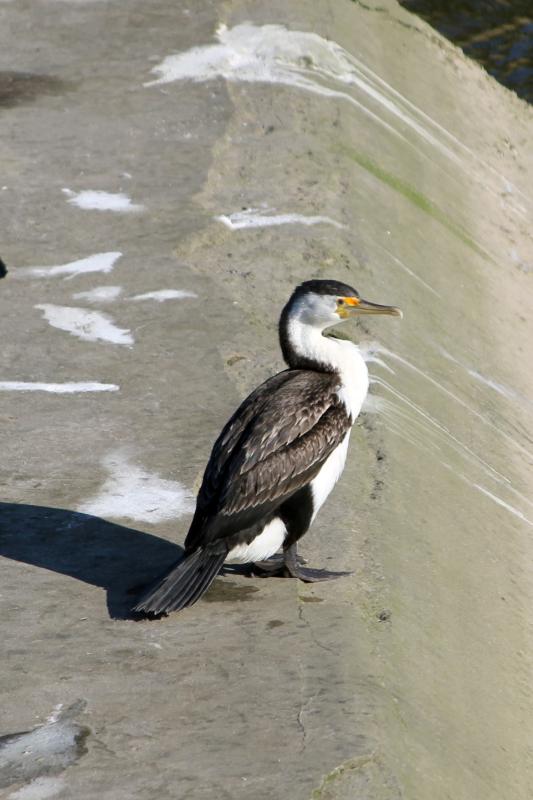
413	678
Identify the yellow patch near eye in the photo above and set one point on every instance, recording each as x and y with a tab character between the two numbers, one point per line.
351	301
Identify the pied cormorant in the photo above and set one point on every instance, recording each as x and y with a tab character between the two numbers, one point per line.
280	454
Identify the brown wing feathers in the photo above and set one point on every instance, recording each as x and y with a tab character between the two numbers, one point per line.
288	467
273	445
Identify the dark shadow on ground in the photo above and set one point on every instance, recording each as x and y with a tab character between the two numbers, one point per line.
497	33
87	548
25	87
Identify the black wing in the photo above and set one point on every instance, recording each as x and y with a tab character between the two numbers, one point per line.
274	444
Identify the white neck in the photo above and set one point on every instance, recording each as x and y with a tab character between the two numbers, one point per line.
334	355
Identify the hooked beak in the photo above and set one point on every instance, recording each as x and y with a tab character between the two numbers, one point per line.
357	305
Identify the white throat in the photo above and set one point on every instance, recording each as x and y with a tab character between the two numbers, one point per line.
342	356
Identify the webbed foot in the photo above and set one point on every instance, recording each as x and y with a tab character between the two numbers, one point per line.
308	575
273	566
294	569
290	565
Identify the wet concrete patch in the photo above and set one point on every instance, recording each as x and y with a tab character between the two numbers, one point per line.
227	591
275	623
377	489
25	87
46	750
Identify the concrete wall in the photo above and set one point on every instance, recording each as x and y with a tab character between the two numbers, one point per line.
411	679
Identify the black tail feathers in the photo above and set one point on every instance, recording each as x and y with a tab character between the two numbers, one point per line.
183	585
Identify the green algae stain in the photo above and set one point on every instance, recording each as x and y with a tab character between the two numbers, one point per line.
363	776
416	198
326	790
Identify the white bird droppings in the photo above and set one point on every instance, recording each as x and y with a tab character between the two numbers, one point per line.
254	218
100	294
90	326
55	713
57	388
306	61
130	492
95	200
164	294
99	262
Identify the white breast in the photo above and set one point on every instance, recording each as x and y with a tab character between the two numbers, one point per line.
263	546
354	376
341	355
354	388
329	474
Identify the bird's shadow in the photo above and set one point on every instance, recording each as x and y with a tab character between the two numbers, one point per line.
87	548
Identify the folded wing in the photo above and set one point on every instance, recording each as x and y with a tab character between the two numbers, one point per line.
274	444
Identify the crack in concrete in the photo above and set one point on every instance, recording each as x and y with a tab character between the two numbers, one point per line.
312	633
301	725
304	705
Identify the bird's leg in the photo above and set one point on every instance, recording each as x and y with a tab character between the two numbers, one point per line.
292	568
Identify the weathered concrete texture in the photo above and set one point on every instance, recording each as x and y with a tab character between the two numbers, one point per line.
413	678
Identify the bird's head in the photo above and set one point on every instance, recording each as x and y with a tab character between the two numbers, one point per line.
322	304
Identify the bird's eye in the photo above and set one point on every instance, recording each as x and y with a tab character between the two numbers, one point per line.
340	302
